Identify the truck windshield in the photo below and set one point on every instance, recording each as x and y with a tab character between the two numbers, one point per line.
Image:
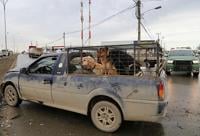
181	53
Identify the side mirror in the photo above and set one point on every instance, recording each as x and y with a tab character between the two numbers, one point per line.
24	71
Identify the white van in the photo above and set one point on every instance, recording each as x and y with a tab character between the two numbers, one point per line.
1	54
5	52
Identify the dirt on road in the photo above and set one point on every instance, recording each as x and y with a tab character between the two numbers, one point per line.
6	64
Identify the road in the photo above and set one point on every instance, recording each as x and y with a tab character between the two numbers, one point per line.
182	119
5	64
23	60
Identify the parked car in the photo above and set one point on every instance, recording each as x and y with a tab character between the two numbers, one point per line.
5	52
1	54
182	60
10	53
60	81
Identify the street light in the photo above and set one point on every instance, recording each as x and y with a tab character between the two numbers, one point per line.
139	16
156	8
4	2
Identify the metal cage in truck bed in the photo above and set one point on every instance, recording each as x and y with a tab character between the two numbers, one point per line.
136	59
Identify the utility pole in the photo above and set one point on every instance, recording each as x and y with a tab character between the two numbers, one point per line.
158	36
82	19
139	25
36	43
89	23
139	19
64	41
14	44
46	47
4	2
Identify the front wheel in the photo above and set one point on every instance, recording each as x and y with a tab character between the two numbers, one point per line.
106	116
11	96
168	73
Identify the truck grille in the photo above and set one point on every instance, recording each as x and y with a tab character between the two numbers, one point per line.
182	65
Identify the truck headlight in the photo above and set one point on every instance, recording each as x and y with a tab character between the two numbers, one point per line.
170	61
195	61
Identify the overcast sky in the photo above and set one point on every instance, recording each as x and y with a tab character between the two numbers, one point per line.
45	20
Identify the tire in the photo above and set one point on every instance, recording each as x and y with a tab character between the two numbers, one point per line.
106	116
168	73
188	74
11	96
196	74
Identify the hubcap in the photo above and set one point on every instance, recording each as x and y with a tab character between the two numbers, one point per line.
105	116
10	96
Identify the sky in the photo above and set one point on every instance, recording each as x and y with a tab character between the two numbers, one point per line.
43	22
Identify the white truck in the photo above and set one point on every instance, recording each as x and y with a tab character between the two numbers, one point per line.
35	52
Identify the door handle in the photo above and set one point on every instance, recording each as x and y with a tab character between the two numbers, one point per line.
65	83
80	85
47	81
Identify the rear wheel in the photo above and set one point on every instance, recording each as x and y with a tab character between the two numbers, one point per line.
188	74
196	74
106	116
11	96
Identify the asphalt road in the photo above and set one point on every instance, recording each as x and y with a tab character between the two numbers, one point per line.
5	64
182	119
23	60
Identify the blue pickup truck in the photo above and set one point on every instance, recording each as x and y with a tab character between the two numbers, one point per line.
59	80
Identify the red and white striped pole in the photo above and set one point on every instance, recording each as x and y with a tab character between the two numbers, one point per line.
90	35
82	20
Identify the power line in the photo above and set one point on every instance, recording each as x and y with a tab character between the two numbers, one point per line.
152	0
103	21
146	30
97	24
112	16
144	22
52	42
134	1
147	1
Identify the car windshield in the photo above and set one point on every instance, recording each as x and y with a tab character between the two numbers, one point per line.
181	53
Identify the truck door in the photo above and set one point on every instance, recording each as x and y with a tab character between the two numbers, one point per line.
36	83
70	87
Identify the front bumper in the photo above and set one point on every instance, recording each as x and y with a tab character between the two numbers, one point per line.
182	68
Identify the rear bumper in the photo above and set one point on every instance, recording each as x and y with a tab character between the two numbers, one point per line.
151	111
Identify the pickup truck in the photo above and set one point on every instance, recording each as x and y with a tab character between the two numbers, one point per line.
183	60
58	80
